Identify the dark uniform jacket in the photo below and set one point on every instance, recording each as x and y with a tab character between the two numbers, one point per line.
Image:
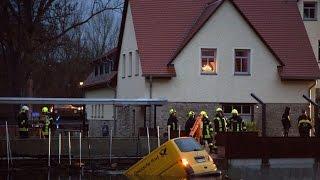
304	125
220	124
286	121
173	122
22	120
236	124
189	124
207	129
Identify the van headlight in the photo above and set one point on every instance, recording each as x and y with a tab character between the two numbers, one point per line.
185	162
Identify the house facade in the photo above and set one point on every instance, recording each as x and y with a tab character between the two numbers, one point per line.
200	55
101	83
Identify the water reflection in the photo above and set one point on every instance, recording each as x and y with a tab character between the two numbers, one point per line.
252	173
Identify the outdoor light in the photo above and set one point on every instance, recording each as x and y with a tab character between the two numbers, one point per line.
185	162
81	83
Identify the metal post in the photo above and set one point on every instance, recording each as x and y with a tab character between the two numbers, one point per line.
148	137
264	127
169	129
59	147
179	130
8	151
49	148
158	135
80	149
110	148
69	139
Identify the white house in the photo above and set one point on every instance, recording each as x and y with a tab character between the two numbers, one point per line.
101	83
204	54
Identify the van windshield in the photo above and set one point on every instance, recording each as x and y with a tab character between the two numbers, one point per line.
188	144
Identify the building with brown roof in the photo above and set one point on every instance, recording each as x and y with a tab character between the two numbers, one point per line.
101	83
204	54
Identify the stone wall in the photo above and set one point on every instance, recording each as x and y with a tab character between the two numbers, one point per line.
95	127
127	118
274	114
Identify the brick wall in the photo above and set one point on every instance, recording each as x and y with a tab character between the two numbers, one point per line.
126	120
274	114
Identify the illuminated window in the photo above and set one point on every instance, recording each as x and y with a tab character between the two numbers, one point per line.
242	61
310	11
208	61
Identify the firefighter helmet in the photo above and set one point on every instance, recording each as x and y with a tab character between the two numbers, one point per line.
172	111
45	110
234	111
191	113
24	108
218	110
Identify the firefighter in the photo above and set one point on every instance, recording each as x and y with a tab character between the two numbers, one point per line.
235	123
23	122
286	122
190	122
207	130
173	121
304	124
48	122
220	125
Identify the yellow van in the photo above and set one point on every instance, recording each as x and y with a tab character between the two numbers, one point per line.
179	157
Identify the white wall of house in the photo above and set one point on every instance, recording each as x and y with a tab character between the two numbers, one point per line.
100	111
226	31
136	85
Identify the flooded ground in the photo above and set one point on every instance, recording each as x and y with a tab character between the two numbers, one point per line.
233	173
242	169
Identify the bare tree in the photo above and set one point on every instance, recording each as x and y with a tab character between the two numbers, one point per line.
101	33
30	28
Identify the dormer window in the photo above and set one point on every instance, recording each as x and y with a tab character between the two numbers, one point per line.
108	65
310	11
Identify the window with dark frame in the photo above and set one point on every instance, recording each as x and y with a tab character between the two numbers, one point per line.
123	65
208	61
130	64
137	64
319	50
101	69
310	10
244	110
96	70
242	61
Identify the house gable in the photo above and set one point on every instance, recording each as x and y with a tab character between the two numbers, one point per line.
134	86
226	31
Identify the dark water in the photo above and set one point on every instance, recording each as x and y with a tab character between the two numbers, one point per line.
241	170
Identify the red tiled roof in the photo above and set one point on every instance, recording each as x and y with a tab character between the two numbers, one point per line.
164	27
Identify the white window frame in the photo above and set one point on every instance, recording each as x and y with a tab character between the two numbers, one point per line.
248	73
123	66
130	64
137	63
315	8
244	116
215	59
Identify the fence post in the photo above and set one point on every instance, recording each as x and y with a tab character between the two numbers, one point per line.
148	138
158	135
8	151
69	139
60	148
49	148
169	129
110	146
179	130
80	149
